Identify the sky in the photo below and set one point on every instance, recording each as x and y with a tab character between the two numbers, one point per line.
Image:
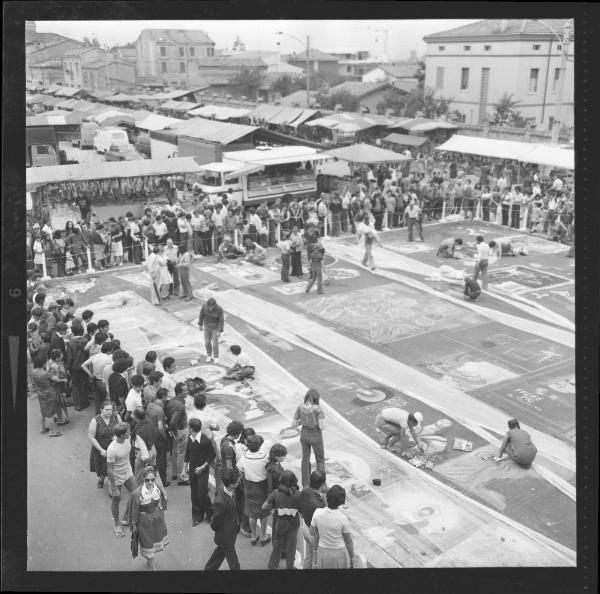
403	36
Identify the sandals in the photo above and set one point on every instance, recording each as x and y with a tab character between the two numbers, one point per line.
57	434
264	542
119	533
65	422
44	430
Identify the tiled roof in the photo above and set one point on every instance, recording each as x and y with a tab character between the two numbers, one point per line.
494	28
299	97
231	62
101	63
178	36
54	63
314	54
358	89
80	50
400	70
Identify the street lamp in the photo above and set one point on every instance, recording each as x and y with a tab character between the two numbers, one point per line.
307	51
561	76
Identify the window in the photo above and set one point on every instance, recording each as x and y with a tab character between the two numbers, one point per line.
536	48
464	79
348	68
182	51
439	77
76	66
559	47
210	51
467	48
487	48
42	149
556	78
163	66
533	80
441	48
181	66
163	51
192	52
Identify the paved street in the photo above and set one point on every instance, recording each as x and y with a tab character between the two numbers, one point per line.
399	336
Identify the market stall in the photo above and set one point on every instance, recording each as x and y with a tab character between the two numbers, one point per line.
351	164
64	192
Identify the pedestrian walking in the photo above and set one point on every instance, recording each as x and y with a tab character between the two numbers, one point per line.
183	267
45	385
310	416
317	254
212	322
285	245
145	510
367	234
225	523
153	266
481	261
412	218
101	431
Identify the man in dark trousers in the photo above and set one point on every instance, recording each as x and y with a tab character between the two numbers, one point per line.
226	523
317	254
57	339
76	355
199	454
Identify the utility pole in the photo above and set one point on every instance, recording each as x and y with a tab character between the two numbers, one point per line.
307	72
561	84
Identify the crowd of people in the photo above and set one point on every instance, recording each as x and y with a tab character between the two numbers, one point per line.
433	187
142	417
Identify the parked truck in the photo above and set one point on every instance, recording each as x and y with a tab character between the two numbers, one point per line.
260	175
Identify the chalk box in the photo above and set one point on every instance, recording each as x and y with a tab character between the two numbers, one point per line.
463	444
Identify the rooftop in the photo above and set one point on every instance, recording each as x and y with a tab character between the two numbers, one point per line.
358	89
177	36
314	54
502	27
231	62
400	70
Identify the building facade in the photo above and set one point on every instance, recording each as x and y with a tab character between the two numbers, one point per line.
109	74
76	60
48	53
477	64
166	56
322	65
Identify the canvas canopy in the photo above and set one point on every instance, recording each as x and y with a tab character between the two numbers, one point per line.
511	150
366	153
154	121
178	105
39	176
209	130
405	139
425	125
219	112
51	118
112	117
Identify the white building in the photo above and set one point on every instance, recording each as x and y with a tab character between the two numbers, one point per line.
477	64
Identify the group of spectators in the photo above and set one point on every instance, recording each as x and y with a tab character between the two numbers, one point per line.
143	416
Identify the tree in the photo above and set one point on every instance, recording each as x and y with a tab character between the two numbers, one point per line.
420	76
505	114
419	102
247	82
344	98
93	42
285	85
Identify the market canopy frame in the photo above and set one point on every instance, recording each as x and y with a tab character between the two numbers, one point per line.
367	154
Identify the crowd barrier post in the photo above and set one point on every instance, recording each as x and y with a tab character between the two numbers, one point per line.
45	276
509	214
145	249
214	242
499	214
443	210
385	227
478	211
325	226
524	217
236	241
90	268
278	232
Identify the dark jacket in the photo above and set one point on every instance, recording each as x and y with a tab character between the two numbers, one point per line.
226	520
212	317
199	453
58	342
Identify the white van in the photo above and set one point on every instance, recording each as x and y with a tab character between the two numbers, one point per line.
107	138
88	131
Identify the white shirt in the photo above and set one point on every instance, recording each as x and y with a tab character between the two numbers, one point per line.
99	362
147	495
483	251
331	524
252	464
558	184
168	382
133	400
243	360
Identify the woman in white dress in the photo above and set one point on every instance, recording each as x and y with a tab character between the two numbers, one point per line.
165	278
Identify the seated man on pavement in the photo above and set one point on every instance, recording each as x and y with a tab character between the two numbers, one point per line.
243	365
